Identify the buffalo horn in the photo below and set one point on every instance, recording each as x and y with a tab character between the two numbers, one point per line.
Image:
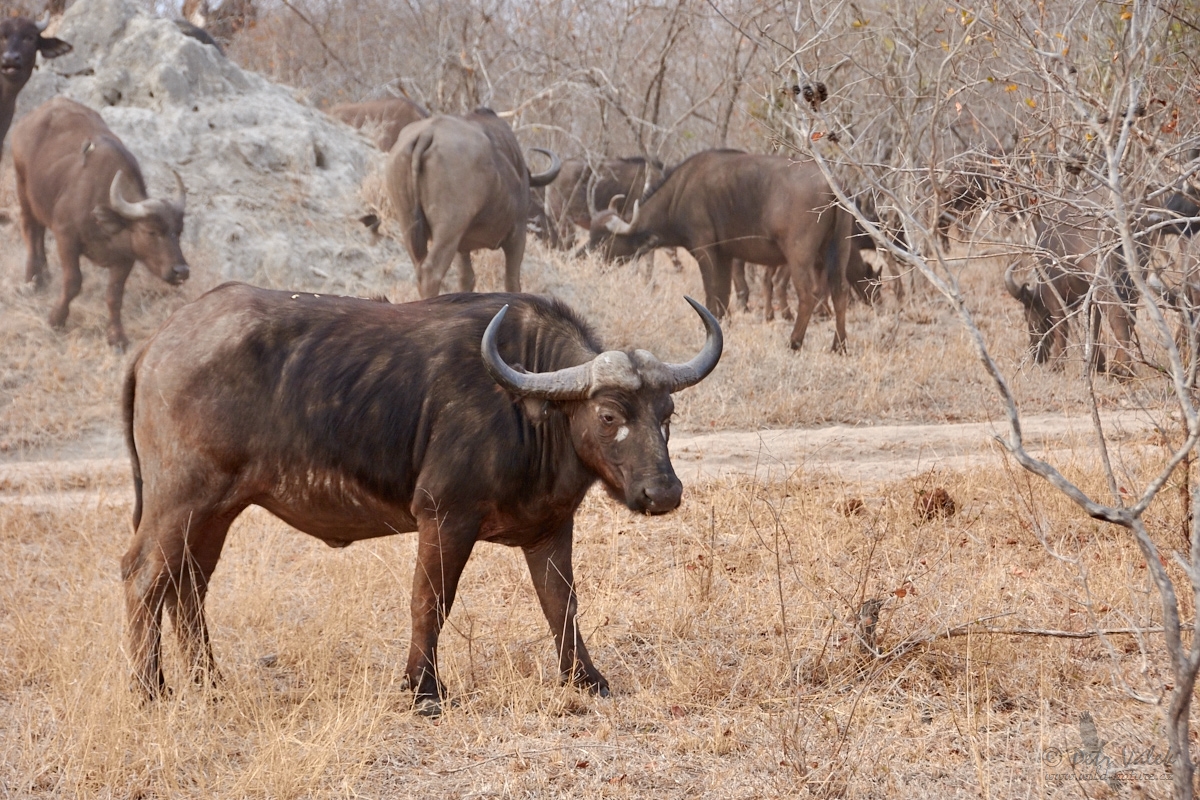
572	383
543	178
43	23
180	191
620	227
616	201
1010	283
694	371
126	209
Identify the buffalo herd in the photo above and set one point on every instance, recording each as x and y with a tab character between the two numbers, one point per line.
461	417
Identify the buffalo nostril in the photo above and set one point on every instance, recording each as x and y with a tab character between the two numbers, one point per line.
180	273
663	497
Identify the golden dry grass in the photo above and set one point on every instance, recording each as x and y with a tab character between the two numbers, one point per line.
726	629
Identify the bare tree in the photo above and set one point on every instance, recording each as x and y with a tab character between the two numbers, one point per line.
1095	98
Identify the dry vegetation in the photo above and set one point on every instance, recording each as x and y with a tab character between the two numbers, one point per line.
908	362
727	630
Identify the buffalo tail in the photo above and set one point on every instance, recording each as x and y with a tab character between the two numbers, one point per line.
420	226
127	398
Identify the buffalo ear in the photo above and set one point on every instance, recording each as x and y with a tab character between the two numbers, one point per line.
537	409
109	221
53	48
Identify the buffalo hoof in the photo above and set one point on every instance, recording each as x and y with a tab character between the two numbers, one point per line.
429	707
839	346
594	683
118	343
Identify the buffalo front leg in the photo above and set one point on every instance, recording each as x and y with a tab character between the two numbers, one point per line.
35	240
741	289
550	568
806	301
717	273
114	296
443	547
68	255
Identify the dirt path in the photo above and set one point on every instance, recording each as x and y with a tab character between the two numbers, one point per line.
97	471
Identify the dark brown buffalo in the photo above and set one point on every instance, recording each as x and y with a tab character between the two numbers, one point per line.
726	204
384	118
581	188
351	419
1074	253
75	177
20	41
459	184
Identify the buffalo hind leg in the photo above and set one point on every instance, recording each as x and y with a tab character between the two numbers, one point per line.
443	547
155	571
466	272
185	600
550	568
514	254
432	271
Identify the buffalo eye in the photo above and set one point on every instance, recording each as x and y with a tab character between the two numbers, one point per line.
608	418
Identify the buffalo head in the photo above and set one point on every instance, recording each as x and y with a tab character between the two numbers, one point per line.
619	406
20	42
613	237
154	227
1038	317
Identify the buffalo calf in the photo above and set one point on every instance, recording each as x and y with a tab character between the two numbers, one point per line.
465	418
75	177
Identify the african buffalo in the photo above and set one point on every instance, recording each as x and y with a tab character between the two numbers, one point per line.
465	418
726	204
20	41
1074	253
583	187
75	177
459	184
385	118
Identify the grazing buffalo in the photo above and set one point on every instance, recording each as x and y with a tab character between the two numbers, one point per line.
465	418
75	177
1074	254
581	188
20	41
459	184
726	204
385	118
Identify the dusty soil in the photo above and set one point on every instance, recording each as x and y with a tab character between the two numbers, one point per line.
95	469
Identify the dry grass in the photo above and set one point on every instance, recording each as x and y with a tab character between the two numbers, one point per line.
726	629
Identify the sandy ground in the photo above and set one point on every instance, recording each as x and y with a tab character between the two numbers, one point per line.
97	470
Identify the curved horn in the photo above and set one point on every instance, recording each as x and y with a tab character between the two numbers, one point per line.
44	22
180	191
543	178
591	193
615	201
696	370
620	227
116	199
572	383
1010	283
